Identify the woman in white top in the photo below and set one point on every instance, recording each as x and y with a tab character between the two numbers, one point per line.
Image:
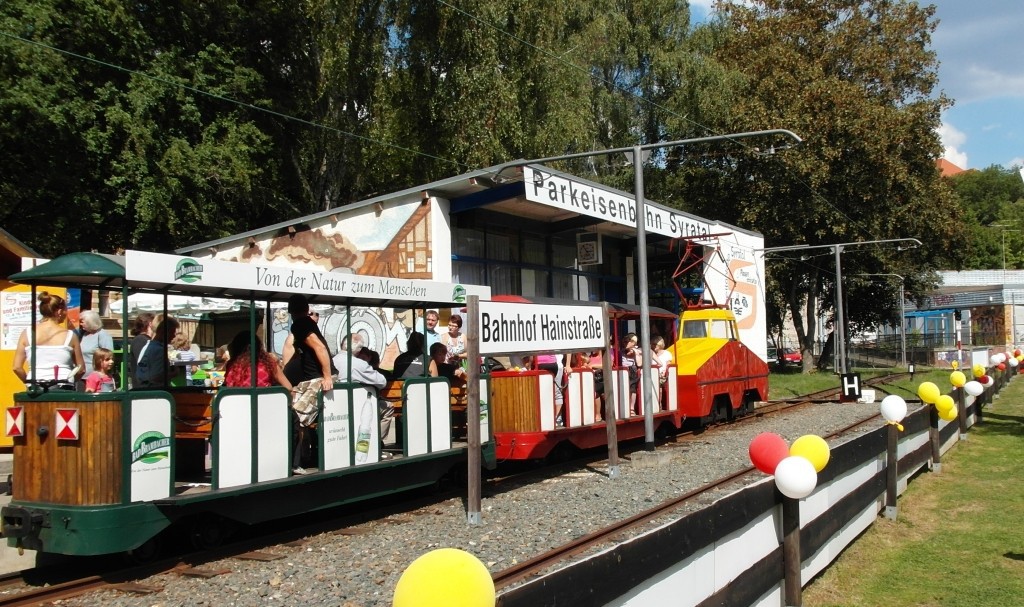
662	356
57	349
454	341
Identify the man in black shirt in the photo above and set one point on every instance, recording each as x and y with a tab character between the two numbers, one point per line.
309	369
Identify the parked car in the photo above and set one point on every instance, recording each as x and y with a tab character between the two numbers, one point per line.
773	356
791	356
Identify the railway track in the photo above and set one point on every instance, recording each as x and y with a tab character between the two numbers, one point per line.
553	558
192	564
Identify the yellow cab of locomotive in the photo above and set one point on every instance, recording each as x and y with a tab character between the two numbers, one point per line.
719	376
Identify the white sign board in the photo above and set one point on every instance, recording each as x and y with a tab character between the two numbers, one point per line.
544	187
516	327
173	269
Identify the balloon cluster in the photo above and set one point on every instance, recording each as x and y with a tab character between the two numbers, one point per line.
795	467
944	403
1004	360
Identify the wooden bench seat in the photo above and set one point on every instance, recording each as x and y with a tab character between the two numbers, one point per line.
193	415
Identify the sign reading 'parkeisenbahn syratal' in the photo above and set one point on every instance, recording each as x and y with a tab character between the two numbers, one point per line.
515	327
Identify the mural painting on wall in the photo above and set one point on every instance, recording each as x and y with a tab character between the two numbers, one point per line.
393	242
989	323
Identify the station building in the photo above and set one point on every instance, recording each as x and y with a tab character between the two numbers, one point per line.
970	310
522	229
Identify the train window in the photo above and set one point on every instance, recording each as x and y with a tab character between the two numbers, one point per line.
722	329
695	328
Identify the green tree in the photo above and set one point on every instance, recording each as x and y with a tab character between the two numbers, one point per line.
991	201
856	81
118	128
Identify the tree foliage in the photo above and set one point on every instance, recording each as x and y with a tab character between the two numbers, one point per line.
856	81
992	201
154	125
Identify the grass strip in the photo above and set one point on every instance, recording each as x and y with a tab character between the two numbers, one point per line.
957	539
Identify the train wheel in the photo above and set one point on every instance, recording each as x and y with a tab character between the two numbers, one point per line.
148	552
563	452
206	532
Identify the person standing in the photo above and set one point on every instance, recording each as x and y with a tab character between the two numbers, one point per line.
58	354
455	341
152	363
432	334
142	332
100	379
310	371
93	336
631	360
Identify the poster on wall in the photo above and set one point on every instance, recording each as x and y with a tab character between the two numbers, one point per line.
15	317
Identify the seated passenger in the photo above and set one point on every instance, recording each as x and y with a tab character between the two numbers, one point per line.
238	369
410	363
362	372
439	368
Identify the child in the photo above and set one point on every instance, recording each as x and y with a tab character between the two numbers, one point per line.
100	380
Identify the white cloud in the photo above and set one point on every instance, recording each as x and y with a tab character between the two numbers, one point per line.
952	140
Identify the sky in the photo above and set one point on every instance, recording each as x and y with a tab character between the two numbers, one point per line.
980	47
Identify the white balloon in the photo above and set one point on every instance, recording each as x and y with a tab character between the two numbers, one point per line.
974	388
795	477
894	408
1001	357
1013	362
994	359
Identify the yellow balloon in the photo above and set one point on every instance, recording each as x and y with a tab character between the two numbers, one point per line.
978	370
955	364
958	379
945	403
928	392
949	414
812	448
446	577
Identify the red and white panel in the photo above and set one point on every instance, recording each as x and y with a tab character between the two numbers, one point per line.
15	421
66	424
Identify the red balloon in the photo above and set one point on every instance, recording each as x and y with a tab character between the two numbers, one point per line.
767	450
985	380
1001	366
1016	352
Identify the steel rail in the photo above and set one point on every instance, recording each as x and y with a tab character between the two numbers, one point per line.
557	556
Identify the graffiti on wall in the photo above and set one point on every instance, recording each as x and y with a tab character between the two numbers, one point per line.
988	320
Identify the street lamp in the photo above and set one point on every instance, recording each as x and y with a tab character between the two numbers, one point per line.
1003	233
840	329
903	318
637	152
